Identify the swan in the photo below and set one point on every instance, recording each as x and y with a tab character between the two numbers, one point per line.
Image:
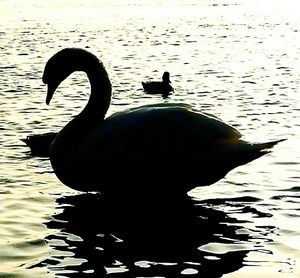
159	87
159	148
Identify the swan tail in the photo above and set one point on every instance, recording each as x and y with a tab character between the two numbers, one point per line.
266	147
256	150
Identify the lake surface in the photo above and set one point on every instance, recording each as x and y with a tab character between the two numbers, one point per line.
236	59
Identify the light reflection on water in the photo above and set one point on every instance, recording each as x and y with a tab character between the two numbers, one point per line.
236	59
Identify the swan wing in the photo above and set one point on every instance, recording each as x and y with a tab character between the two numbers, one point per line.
157	131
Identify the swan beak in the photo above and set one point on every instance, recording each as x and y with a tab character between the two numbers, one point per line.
51	88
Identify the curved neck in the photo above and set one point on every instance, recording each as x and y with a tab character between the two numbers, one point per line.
100	96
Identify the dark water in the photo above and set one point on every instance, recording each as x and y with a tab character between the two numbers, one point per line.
157	242
236	59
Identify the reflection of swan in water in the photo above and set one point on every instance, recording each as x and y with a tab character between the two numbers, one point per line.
162	241
160	145
163	87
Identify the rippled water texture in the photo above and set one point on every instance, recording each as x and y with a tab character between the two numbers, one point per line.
236	59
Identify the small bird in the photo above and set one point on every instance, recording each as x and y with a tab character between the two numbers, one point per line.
163	87
39	144
153	150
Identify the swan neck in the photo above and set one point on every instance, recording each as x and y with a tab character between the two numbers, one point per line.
100	95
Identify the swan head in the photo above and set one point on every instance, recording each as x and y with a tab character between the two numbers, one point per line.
166	77
63	63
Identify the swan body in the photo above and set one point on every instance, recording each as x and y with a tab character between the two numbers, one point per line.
159	87
160	148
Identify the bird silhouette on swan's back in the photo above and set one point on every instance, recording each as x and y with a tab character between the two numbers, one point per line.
161	148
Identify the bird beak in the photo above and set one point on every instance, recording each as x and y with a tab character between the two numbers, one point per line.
50	91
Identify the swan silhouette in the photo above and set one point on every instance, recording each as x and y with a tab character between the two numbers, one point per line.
159	87
160	148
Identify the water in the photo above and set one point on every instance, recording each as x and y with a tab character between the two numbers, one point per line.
236	59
